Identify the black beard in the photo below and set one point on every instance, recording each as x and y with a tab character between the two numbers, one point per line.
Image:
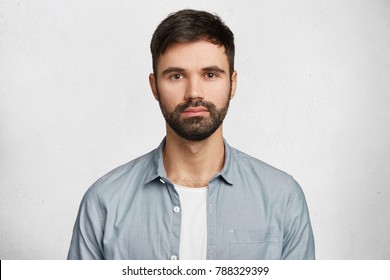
195	128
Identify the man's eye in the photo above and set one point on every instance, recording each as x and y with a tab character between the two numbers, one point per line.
176	76
211	75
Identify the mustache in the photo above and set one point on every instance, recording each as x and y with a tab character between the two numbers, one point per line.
198	103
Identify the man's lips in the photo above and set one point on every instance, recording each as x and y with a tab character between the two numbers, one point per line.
195	111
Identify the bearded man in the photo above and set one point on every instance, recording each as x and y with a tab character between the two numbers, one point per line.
194	197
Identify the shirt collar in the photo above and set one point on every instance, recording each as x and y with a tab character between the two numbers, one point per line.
157	169
227	170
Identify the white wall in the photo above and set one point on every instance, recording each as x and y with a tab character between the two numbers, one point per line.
313	99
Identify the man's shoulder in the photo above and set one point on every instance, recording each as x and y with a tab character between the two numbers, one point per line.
126	175
249	166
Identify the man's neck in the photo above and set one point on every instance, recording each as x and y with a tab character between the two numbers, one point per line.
193	163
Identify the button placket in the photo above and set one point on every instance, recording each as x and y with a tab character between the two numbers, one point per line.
211	221
176	220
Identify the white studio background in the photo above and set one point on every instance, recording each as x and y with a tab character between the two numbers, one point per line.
313	99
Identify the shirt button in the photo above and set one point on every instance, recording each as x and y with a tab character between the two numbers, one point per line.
173	258
176	209
162	181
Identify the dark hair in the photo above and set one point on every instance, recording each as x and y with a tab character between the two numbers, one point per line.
191	26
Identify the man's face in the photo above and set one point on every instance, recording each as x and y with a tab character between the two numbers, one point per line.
193	87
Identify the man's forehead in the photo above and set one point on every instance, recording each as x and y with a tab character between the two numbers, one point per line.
201	53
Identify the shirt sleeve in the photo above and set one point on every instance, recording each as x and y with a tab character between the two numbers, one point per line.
86	243
298	239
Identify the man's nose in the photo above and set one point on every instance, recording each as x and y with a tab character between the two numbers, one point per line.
194	89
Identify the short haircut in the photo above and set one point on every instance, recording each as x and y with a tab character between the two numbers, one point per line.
191	26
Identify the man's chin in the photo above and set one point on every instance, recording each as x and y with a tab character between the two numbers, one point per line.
195	134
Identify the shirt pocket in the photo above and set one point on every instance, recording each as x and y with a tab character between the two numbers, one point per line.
254	244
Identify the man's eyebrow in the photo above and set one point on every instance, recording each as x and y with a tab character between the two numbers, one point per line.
213	69
170	70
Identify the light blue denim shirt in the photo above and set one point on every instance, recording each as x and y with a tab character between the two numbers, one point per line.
254	211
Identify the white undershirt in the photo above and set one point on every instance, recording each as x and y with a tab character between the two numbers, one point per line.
193	231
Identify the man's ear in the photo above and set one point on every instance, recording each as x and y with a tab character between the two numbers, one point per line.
234	84
153	85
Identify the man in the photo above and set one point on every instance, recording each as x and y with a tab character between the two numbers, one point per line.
194	197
